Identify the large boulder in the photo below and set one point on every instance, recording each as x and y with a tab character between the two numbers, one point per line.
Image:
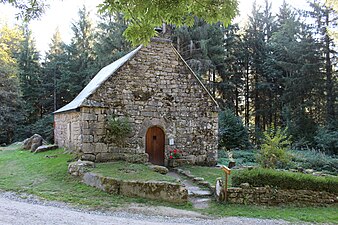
33	142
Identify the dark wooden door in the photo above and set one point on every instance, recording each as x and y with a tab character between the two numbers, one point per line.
155	145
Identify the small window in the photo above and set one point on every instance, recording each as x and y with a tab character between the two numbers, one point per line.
154	138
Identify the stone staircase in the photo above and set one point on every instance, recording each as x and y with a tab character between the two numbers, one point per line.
199	192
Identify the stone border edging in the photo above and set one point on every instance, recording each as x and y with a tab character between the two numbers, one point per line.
155	190
272	196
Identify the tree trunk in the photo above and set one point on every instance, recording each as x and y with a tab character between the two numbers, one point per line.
330	112
247	94
257	105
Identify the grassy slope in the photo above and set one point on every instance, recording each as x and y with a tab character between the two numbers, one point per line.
47	177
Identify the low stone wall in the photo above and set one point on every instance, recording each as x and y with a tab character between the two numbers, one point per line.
156	190
271	196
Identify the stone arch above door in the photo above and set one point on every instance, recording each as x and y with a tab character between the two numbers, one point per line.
151	123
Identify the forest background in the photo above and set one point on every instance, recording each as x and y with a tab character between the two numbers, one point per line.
279	70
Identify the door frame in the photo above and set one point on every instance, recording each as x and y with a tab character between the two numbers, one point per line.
163	158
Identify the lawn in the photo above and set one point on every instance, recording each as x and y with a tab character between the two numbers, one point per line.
128	171
45	175
209	174
290	213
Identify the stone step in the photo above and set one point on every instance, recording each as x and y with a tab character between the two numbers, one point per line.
193	188
198	192
200	203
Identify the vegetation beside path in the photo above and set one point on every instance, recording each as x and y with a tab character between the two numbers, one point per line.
45	175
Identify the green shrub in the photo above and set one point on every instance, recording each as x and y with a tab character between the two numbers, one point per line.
119	129
273	152
327	139
241	157
312	159
260	177
246	156
232	132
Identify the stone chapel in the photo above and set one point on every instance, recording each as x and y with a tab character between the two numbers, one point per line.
166	104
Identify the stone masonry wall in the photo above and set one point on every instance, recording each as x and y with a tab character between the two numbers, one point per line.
67	130
95	146
155	88
271	196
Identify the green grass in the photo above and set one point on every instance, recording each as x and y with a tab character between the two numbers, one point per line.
122	170
209	174
290	213
45	175
14	146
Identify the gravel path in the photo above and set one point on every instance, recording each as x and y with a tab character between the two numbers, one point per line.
28	210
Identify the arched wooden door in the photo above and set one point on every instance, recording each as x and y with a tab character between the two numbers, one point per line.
155	145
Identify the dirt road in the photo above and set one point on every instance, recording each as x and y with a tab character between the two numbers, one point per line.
16	210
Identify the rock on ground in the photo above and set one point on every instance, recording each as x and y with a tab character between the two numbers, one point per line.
44	148
33	142
78	168
159	169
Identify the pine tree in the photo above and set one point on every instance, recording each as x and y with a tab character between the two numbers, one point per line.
259	31
30	77
54	64
202	47
11	103
233	77
110	44
327	18
79	65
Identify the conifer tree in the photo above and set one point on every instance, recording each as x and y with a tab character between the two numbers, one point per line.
10	96
110	44
54	64
79	65
327	18
30	77
259	31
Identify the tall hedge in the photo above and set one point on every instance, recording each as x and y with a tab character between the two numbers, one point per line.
260	177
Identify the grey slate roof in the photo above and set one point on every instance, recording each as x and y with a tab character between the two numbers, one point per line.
96	82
